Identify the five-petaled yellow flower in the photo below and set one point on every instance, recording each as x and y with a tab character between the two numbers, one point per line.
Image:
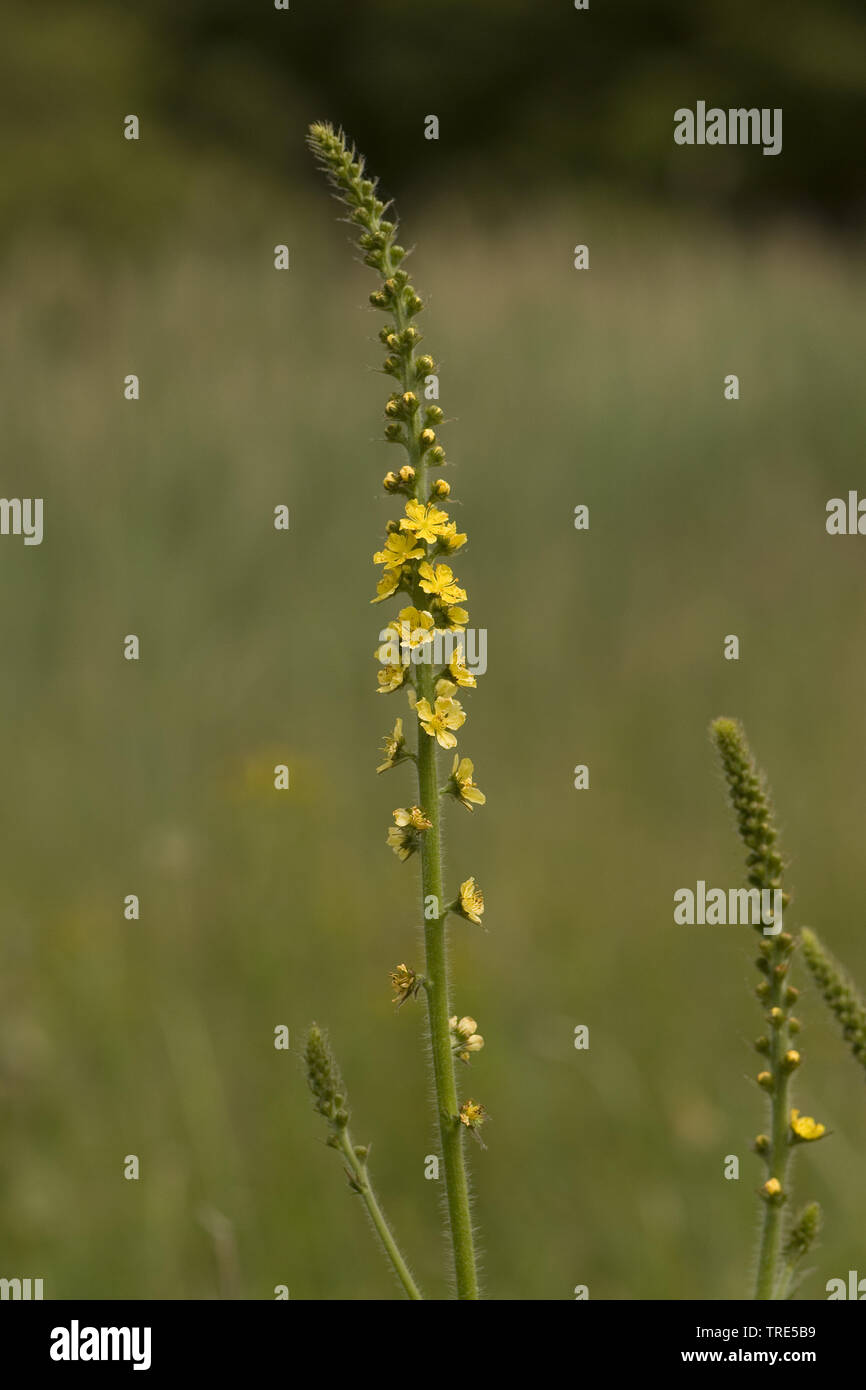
441	583
471	901
426	521
389	678
805	1129
461	784
400	548
410	628
447	714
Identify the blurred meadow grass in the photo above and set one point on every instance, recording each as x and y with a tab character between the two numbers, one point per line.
707	517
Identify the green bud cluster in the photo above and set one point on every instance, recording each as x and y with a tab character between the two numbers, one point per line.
839	993
409	422
325	1082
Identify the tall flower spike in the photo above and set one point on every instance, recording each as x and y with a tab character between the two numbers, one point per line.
410	558
753	810
839	993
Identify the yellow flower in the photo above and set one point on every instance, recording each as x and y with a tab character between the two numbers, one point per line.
424	521
805	1129
772	1189
441	583
405	982
399	549
462	786
450	536
388	584
389	678
446	714
460	673
414	817
457	619
471	901
404	836
473	1116
411	627
393	748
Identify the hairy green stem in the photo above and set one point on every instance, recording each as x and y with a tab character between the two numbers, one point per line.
436	949
361	1184
780	1151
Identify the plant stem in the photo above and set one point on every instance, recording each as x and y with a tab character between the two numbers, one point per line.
456	1184
362	1185
435	942
780	1151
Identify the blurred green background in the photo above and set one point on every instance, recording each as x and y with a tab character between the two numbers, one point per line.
257	388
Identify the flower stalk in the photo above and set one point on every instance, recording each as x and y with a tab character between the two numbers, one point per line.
780	1056
422	650
329	1098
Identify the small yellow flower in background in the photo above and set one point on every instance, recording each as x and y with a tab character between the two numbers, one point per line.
461	785
441	489
457	619
393	747
399	550
473	1116
772	1189
471	901
389	678
404	836
791	1059
405	982
765	1079
424	520
441	583
805	1129
465	1038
